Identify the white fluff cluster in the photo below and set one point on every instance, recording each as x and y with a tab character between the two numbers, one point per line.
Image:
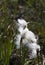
33	48
21	24
29	38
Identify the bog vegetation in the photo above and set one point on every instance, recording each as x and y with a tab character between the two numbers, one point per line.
32	11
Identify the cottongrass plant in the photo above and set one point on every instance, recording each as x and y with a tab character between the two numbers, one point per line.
29	39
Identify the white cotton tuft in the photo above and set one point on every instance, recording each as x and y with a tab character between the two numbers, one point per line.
33	46
21	25
22	22
33	49
29	35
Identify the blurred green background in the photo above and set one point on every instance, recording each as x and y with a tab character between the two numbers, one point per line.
34	11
